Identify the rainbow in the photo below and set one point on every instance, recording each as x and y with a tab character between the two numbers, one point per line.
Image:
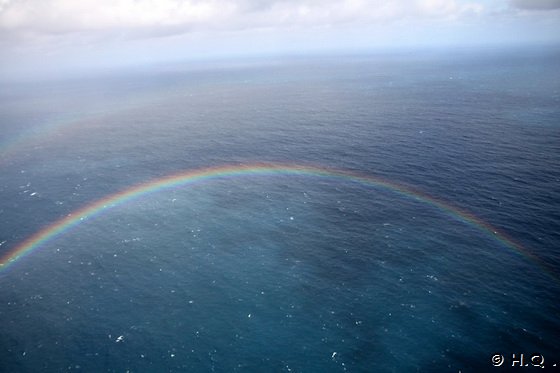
45	131
73	219
51	129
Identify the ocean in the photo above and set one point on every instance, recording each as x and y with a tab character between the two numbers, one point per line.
394	212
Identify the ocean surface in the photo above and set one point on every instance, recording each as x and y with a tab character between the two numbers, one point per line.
376	213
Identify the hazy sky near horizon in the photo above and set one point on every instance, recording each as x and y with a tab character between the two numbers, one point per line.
45	35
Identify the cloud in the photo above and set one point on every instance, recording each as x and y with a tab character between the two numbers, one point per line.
536	4
62	16
57	36
166	17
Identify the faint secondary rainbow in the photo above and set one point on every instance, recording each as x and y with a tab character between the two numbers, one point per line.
37	134
73	219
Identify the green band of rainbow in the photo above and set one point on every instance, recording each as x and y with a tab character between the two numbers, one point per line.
61	226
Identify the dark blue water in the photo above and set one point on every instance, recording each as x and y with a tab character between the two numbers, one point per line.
287	272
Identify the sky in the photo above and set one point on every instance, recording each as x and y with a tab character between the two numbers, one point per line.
61	35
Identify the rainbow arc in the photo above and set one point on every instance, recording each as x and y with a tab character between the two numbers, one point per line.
183	179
